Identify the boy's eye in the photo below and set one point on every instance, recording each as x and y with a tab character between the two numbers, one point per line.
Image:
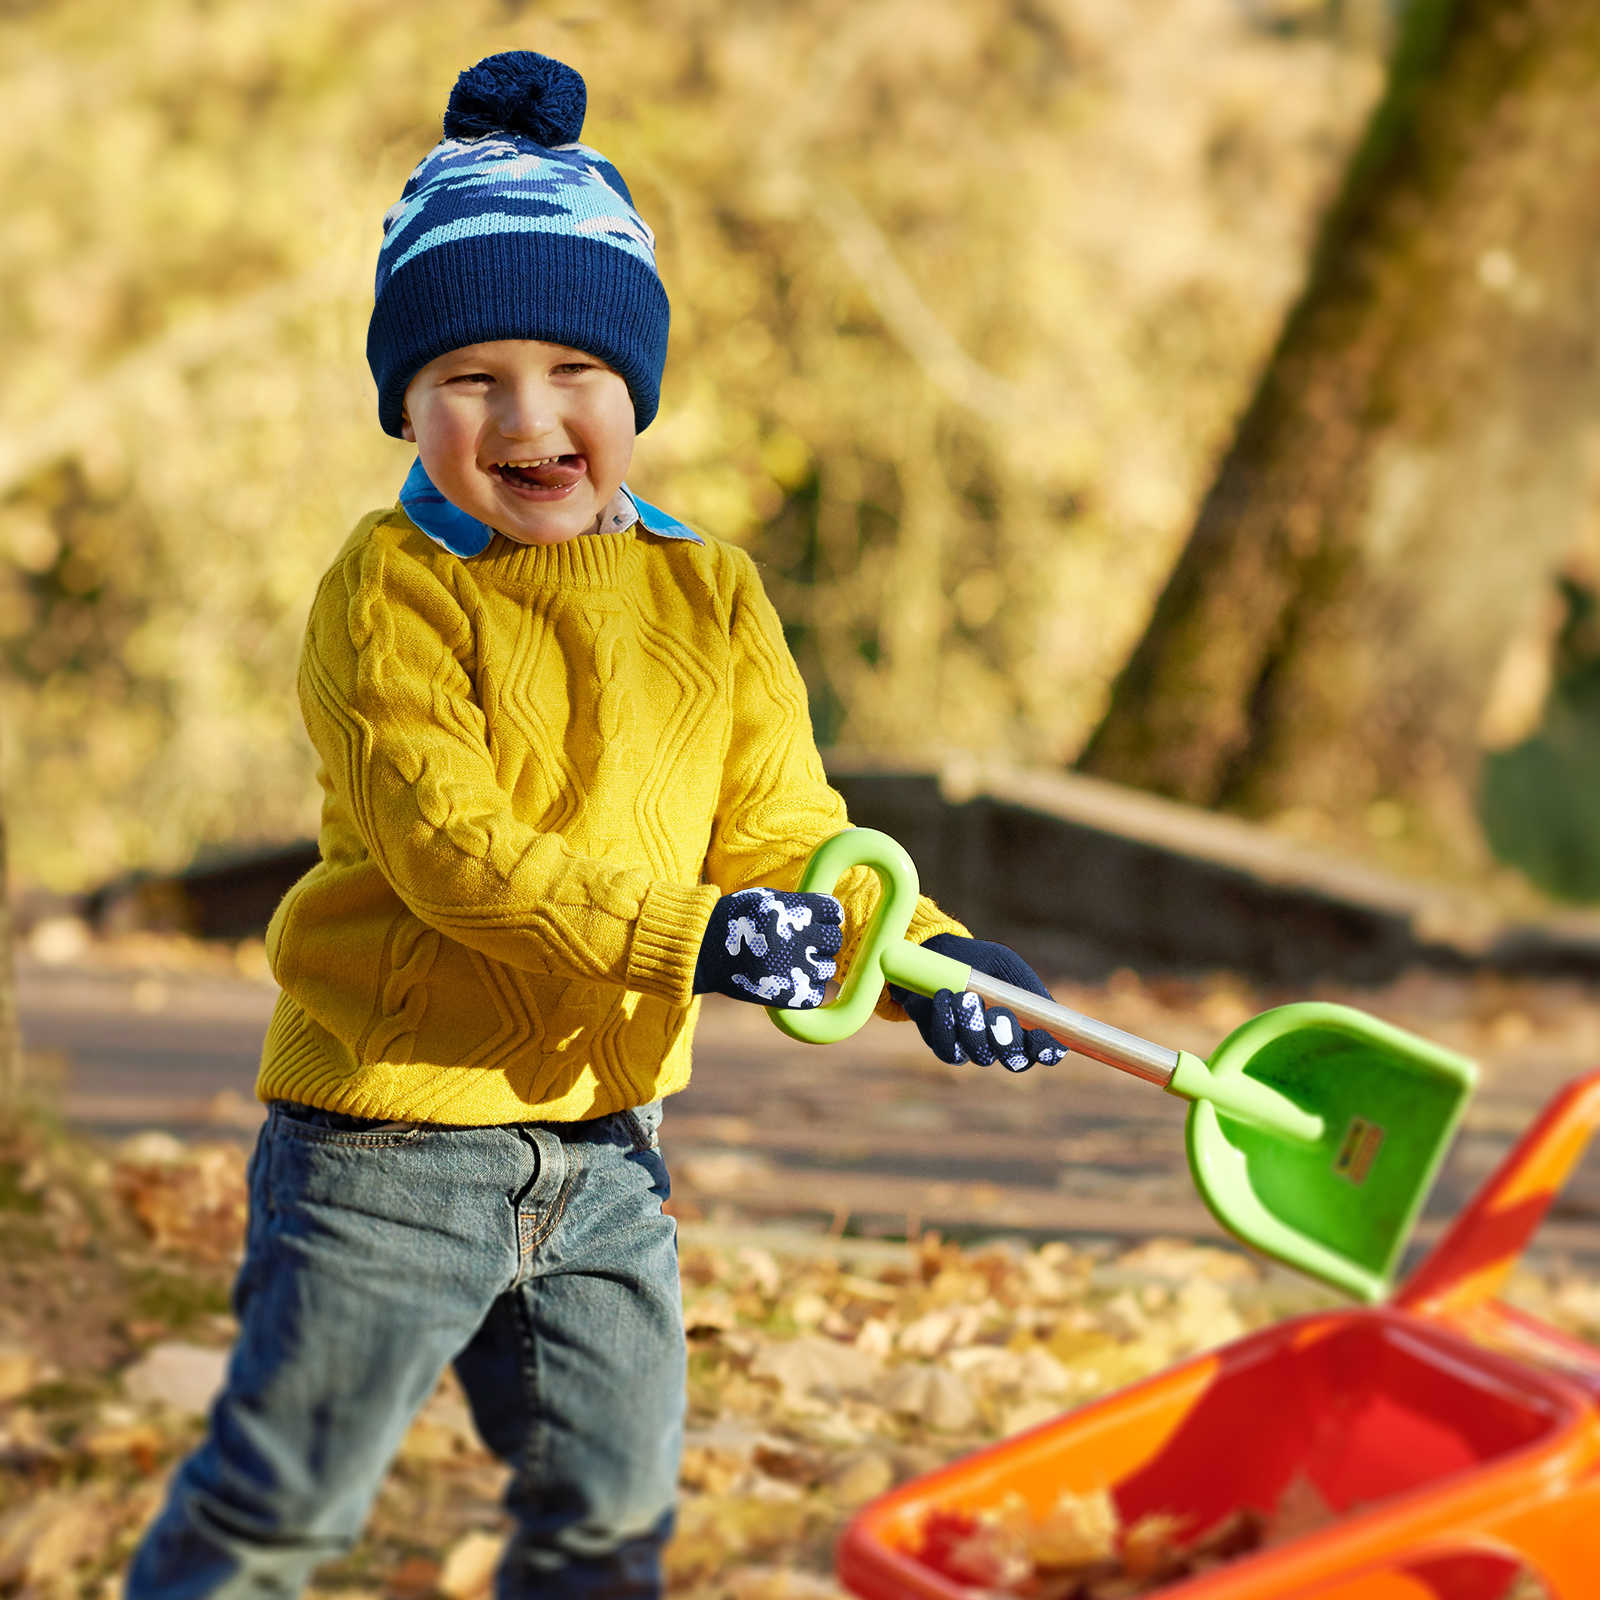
575	366
472	377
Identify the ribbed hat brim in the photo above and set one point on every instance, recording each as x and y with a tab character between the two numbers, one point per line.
557	288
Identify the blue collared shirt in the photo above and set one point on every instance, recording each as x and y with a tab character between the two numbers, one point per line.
465	536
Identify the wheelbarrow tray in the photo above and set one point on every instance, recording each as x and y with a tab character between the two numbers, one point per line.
1405	1428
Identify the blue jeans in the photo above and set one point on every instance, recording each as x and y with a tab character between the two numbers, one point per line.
535	1257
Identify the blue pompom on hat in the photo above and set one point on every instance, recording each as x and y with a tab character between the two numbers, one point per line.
509	228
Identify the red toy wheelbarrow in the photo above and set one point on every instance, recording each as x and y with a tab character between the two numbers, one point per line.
1454	1440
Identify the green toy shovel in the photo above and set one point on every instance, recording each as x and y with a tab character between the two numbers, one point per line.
1314	1130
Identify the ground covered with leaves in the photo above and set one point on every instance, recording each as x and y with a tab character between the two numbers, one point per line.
823	1371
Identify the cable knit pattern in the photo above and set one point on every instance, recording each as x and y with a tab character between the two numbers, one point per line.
405	994
541	770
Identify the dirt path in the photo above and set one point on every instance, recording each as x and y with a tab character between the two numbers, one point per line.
872	1135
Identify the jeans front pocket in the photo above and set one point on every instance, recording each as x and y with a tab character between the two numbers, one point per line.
359	1165
339	1128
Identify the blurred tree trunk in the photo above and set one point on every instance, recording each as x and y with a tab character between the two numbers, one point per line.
1380	543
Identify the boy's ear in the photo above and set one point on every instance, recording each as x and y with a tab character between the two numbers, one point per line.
407	432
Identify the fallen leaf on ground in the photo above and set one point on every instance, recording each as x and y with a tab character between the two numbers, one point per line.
815	1365
415	1578
467	1571
60	1532
190	1199
20	1370
934	1395
181	1376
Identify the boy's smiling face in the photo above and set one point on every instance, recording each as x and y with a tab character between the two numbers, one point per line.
531	438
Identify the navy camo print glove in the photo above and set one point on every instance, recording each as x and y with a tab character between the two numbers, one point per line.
771	947
961	1027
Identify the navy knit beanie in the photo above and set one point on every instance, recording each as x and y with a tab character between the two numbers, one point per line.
511	229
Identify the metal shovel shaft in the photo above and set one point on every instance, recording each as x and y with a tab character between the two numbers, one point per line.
1187	1076
1154	1063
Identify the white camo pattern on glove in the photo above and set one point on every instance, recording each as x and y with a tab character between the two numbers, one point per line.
771	947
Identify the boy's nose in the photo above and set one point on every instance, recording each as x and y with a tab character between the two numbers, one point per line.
527	412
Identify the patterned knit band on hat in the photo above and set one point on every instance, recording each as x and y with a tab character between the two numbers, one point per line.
511	229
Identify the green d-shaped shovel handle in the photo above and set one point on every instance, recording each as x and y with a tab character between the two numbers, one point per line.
885	954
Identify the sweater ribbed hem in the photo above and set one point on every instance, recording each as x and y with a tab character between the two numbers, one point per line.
305	1063
666	940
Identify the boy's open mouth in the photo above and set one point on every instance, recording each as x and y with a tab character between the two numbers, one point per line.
543	472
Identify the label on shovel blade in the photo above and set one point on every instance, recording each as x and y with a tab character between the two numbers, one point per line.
1359	1150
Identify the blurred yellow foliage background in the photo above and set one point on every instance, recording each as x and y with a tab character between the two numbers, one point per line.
967	296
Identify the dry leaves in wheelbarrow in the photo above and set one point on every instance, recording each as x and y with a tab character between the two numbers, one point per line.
1080	1550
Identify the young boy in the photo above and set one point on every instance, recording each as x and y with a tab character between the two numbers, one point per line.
569	783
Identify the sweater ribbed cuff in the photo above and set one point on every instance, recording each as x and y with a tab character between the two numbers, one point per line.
666	940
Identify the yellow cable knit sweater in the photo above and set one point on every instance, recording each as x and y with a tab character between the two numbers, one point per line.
541	767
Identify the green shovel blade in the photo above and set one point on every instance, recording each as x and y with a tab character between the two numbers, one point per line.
1342	1206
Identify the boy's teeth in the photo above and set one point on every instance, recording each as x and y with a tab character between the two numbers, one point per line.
547	472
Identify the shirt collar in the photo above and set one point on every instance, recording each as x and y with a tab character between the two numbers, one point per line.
465	536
